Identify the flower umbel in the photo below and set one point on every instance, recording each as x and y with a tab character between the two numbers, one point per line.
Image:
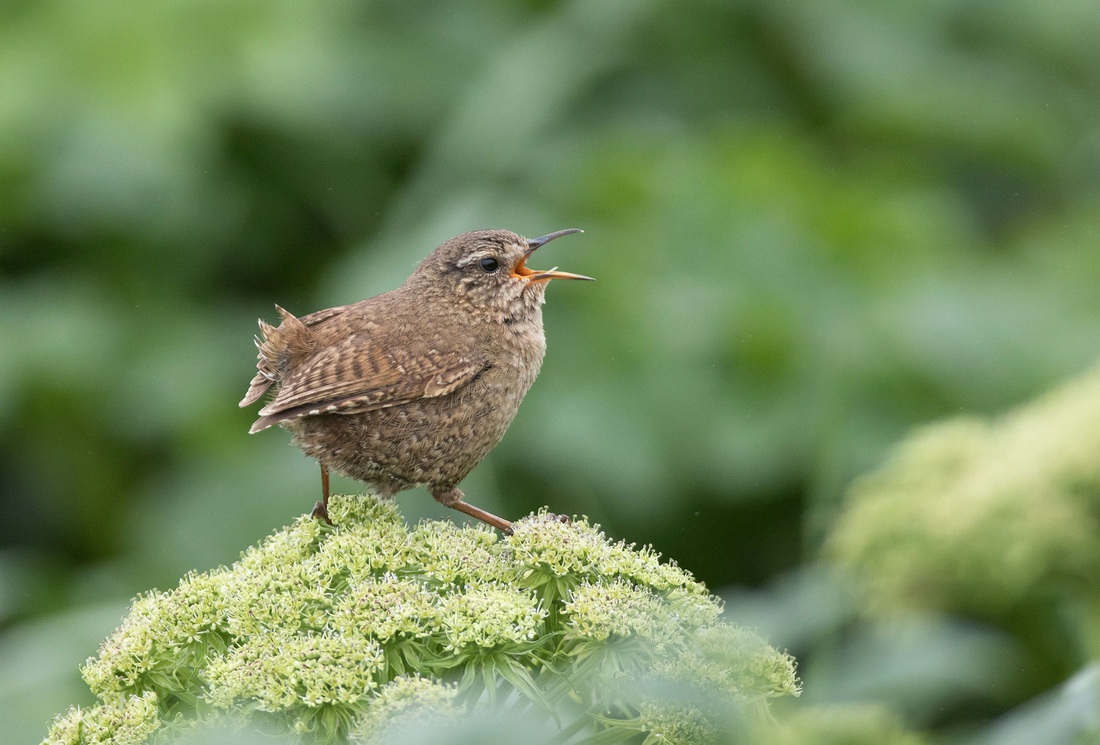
338	633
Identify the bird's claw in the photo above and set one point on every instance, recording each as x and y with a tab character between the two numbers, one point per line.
321	510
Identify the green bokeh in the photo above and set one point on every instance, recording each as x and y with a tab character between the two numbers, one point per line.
814	226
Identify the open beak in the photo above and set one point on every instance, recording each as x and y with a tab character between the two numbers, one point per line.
531	275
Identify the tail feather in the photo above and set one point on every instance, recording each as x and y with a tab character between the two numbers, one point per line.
279	349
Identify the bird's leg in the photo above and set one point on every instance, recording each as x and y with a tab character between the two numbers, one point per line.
453	498
321	508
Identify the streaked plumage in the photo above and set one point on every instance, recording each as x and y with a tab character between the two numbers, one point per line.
417	385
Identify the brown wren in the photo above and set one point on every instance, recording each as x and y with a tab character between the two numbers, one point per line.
414	386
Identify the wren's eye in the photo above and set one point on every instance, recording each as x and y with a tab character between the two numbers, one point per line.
489	265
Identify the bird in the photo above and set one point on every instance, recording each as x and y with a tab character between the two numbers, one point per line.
412	387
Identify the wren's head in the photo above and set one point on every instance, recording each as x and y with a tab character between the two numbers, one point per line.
487	270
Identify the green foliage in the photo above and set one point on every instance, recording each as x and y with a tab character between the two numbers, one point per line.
341	633
814	225
994	521
977	516
839	725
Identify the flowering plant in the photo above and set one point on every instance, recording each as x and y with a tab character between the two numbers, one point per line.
341	633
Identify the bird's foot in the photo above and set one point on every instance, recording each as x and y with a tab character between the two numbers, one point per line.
488	518
320	510
453	498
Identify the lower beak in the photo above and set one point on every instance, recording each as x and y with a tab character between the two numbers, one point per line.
521	271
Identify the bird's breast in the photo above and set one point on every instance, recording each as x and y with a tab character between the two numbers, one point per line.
513	362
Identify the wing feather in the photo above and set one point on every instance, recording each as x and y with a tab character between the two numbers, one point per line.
278	346
360	374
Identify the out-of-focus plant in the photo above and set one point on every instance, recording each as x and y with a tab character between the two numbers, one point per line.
977	516
815	225
990	519
337	633
838	725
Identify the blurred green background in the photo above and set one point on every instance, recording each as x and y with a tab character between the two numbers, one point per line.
814	225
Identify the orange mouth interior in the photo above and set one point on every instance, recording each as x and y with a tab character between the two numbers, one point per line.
520	271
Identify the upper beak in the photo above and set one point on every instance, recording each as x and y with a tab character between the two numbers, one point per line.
520	270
